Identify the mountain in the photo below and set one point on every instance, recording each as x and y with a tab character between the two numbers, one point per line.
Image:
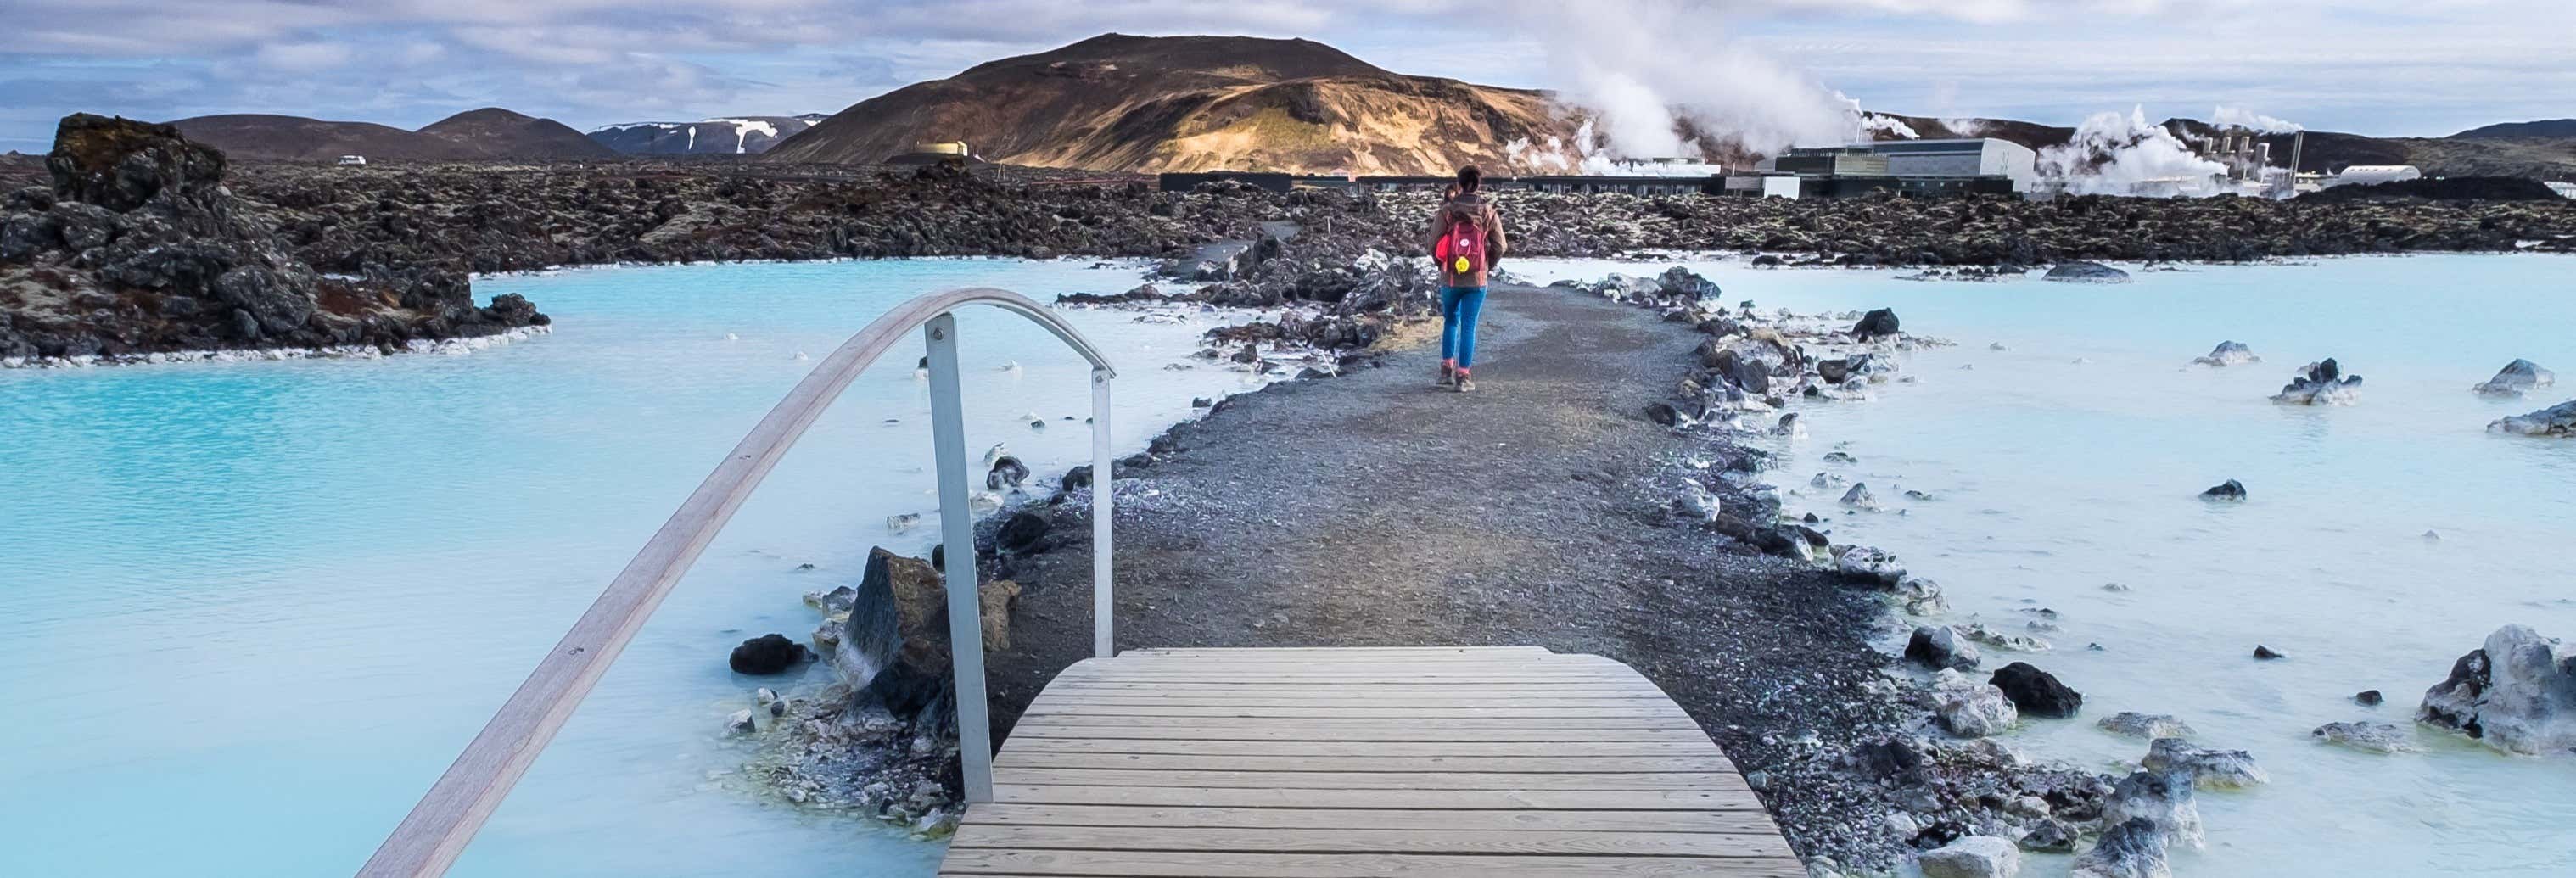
295	138
488	133
492	132
2542	128
738	135
1126	103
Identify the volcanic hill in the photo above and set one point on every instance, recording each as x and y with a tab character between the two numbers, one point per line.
1126	103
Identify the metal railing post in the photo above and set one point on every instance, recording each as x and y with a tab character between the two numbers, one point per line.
1103	481
964	584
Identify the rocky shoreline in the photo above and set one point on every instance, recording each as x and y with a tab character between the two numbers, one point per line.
138	251
491	217
322	257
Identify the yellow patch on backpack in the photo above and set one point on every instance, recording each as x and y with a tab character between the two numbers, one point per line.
1462	265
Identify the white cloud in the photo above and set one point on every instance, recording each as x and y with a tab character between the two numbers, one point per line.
302	57
1759	66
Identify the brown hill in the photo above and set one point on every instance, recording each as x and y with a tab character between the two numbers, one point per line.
489	133
493	132
1125	103
296	138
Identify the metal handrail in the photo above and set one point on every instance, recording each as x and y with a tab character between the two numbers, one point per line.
438	828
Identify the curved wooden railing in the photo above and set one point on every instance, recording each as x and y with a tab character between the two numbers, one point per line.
438	828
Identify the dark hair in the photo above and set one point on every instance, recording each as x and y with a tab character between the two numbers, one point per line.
1469	178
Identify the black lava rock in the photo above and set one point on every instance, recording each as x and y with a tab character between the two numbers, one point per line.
2265	652
1022	532
2367	697
2232	490
768	654
1875	324
2036	692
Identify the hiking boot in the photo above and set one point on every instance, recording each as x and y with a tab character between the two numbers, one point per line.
1448	374
1464	383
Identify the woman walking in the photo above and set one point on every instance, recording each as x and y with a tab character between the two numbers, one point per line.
1466	239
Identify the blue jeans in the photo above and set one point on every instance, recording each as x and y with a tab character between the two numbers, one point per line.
1458	309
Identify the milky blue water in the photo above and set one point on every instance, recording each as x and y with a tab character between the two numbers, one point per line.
248	612
2051	477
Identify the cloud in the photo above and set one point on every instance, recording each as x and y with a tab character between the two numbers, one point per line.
302	57
1760	66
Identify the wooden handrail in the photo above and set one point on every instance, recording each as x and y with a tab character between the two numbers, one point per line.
438	828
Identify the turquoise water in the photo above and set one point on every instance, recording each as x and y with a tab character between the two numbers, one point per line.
250	611
2052	477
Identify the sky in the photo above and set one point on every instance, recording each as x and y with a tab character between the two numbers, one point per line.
2381	67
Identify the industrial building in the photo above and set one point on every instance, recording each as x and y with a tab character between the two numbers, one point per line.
1962	158
1922	168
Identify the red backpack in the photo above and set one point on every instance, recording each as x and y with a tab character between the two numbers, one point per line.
1462	248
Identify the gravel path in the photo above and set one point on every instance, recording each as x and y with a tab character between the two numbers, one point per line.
1372	509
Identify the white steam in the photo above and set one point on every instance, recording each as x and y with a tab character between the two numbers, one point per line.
2239	117
2115	154
1645	88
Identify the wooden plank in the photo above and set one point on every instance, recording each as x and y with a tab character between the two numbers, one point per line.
1390	841
1536	712
1584	764
1544	652
1333	764
1326	724
1330	696
1371	689
1359	748
1009	790
1741	820
1369	732
1374	780
1177	864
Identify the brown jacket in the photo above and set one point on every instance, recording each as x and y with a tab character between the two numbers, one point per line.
1471	205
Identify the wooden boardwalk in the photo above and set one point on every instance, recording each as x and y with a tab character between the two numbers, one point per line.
1489	762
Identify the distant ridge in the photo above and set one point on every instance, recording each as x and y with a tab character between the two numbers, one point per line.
723	135
487	133
2540	128
1127	103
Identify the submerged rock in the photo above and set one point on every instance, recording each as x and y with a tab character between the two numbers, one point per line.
1975	856
2556	420
1859	497
2320	383
2165	800
1870	565
2266	653
1879	323
2371	736
2517	693
2230	491
1007	472
2515	378
2213	769
2367	698
2086	273
2050	836
2132	848
768	654
2228	353
2144	725
2036	692
1970	709
1937	647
